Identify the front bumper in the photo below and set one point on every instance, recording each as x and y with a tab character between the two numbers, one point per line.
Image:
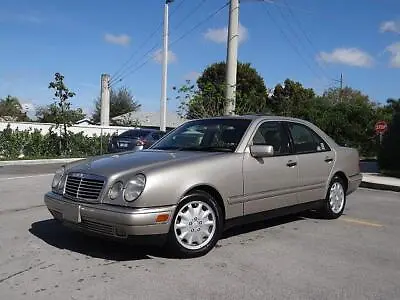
107	220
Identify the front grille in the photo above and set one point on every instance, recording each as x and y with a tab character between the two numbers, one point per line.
83	187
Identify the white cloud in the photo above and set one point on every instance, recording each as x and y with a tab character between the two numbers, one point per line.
390	26
394	49
347	56
192	75
121	39
158	56
220	35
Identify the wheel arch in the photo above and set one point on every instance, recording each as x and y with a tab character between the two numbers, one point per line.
212	191
343	177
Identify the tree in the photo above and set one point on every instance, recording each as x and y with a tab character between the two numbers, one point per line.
349	118
207	98
61	107
11	108
51	113
292	99
393	105
121	102
389	154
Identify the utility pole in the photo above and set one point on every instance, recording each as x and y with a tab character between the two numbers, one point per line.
231	58
163	102
105	100
341	81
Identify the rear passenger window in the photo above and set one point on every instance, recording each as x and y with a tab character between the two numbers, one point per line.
306	140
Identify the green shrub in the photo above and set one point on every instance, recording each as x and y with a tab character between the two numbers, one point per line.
33	144
389	154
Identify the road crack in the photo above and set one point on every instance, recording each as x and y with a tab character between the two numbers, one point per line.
20	272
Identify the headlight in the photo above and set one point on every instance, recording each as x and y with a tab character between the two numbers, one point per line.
57	178
115	190
134	187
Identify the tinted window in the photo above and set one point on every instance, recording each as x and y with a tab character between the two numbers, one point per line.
134	134
155	135
206	135
272	134
306	140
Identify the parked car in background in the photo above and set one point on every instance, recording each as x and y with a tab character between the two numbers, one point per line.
134	139
204	177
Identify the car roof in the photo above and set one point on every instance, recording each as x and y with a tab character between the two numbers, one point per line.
256	117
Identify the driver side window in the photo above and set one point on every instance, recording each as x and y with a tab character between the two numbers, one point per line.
273	134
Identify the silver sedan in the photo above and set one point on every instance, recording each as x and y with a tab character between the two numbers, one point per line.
204	177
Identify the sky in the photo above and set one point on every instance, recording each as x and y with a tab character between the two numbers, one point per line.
310	41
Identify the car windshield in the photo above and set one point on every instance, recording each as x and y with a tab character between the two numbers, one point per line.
134	134
214	135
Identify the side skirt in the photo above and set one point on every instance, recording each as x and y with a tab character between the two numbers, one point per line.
270	214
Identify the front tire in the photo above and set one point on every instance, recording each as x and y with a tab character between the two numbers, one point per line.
196	226
335	200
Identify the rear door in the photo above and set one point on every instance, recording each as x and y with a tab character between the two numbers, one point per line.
315	161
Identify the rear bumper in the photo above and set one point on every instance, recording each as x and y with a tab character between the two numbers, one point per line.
354	183
107	220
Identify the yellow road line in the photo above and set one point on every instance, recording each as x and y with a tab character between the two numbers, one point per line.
360	222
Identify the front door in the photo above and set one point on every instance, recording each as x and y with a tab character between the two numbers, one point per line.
315	161
270	182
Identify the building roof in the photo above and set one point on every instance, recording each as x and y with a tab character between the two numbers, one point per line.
152	119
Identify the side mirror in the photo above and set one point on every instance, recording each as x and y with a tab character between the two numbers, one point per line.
258	151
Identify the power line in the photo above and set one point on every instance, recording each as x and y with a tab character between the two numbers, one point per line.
300	26
197	7
299	39
124	65
290	42
200	23
174	42
137	51
177	7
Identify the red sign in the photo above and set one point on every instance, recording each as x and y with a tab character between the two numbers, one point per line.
380	127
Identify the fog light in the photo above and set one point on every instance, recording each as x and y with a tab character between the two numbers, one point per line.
162	218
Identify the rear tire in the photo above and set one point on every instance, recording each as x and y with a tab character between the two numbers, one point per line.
335	200
196	226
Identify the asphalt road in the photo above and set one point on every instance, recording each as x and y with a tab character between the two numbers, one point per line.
298	257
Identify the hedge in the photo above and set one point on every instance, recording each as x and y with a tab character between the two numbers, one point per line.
33	144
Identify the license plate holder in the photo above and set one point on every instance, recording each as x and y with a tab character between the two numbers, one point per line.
123	145
72	213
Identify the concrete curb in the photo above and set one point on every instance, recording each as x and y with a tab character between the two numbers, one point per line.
37	161
379	186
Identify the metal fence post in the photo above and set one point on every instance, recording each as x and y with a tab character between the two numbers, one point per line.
101	141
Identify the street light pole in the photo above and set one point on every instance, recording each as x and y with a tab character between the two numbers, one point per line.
163	101
231	58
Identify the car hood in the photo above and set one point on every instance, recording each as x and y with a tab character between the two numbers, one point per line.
119	164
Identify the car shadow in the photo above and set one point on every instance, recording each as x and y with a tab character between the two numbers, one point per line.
55	234
259	225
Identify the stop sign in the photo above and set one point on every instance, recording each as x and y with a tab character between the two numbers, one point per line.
380	127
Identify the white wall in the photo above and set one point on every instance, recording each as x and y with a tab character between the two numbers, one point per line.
88	130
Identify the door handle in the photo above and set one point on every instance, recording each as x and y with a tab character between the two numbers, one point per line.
291	163
328	159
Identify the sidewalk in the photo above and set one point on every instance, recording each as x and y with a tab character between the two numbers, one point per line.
22	162
377	181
